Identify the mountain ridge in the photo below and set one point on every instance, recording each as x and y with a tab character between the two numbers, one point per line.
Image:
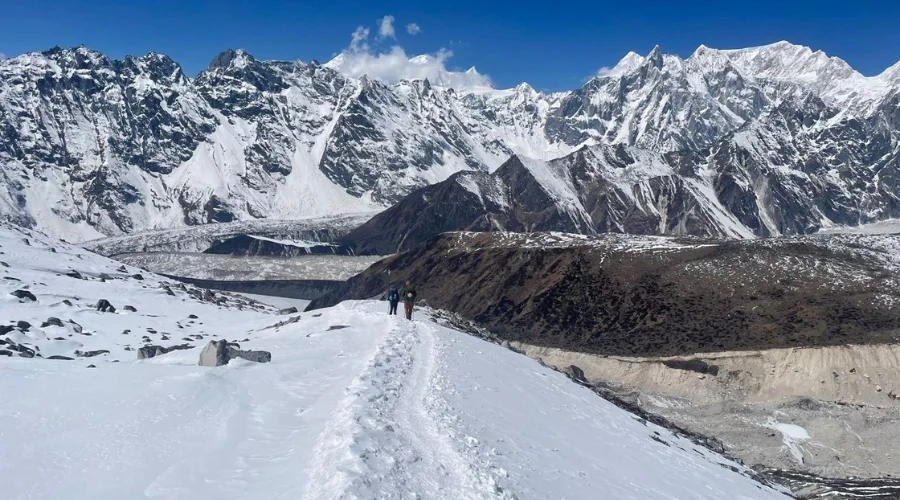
91	146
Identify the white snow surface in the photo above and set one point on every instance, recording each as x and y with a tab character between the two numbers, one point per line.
378	407
791	435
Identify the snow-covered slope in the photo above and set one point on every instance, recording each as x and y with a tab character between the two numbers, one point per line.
355	404
91	146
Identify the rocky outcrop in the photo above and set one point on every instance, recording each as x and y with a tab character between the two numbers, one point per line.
219	353
103	305
52	322
24	295
152	351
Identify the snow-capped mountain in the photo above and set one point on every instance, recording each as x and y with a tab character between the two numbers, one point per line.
91	146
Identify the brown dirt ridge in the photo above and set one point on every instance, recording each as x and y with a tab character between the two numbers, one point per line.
654	296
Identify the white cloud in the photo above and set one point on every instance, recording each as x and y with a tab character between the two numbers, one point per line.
386	27
395	65
2	56
604	71
413	29
392	66
358	40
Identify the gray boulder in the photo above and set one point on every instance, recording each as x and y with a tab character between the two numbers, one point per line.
289	310
152	351
219	353
90	354
52	322
103	305
24	295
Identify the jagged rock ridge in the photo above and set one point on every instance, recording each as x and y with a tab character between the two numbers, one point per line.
91	146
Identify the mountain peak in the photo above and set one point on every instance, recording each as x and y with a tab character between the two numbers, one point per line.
627	64
892	74
655	57
232	58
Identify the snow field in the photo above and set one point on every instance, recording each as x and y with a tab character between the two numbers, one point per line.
355	404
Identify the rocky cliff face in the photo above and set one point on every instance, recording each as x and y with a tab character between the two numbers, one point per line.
768	140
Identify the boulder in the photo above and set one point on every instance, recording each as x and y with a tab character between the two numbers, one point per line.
90	354
130	309
4	264
137	277
219	353
576	374
63	358
152	351
193	316
104	277
23	325
122	269
76	327
24	295
103	305
75	274
67	302
52	322
4	329
289	310
168	290
23	351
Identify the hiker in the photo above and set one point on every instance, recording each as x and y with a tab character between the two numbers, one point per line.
409	297
393	297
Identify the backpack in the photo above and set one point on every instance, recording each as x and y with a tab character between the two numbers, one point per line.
393	295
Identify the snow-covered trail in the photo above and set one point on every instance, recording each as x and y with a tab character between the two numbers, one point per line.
383	408
355	404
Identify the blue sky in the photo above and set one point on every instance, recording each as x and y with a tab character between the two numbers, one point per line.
552	45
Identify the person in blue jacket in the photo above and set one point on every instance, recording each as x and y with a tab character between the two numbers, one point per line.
393	297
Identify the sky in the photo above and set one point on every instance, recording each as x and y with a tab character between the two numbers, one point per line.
551	46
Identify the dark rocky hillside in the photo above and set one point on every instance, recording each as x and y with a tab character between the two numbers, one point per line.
645	296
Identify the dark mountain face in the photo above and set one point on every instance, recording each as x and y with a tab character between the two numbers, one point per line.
779	177
650	296
761	141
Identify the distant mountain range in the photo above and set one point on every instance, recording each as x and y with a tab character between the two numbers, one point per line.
754	142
